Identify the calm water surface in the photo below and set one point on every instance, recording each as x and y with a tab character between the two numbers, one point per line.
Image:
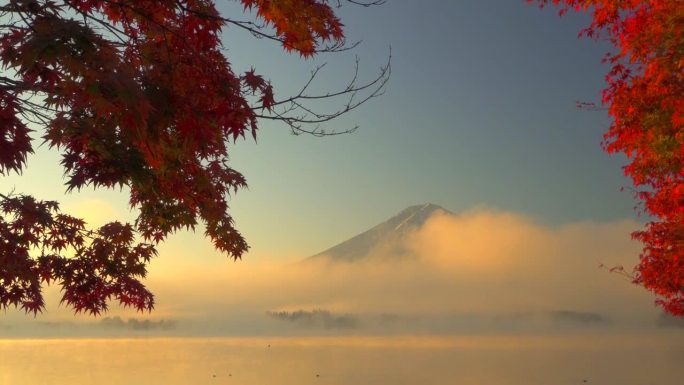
612	360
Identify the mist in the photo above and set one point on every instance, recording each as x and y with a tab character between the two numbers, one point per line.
481	271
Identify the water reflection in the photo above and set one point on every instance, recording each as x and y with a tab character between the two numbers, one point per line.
633	360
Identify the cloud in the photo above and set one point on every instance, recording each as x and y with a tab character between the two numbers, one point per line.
482	270
316	319
484	262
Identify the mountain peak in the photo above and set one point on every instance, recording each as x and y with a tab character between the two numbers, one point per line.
388	232
417	213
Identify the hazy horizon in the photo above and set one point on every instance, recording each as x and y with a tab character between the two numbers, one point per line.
481	271
506	288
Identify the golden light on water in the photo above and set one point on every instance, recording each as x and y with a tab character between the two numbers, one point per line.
505	360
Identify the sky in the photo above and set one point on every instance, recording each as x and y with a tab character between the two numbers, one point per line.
479	117
480	110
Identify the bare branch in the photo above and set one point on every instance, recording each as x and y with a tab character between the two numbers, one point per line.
362	3
295	112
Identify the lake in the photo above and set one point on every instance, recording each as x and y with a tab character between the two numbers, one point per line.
642	359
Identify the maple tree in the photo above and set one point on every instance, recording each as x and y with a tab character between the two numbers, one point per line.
645	98
138	93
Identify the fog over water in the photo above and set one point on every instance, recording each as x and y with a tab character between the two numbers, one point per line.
483	297
482	271
636	360
505	289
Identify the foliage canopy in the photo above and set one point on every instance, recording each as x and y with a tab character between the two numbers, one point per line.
645	98
138	93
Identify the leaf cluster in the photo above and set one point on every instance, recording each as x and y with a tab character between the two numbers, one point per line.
645	98
138	94
39	244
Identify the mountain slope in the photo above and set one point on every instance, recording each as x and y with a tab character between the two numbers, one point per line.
386	234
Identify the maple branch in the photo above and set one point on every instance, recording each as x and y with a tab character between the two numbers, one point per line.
90	234
137	93
362	3
14	83
23	18
257	31
116	32
295	103
35	109
107	263
589	106
151	20
619	270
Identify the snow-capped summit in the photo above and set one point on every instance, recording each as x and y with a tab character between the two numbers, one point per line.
386	234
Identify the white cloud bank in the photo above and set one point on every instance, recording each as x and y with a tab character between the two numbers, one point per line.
479	270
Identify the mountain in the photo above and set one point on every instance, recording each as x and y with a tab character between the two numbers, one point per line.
387	234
